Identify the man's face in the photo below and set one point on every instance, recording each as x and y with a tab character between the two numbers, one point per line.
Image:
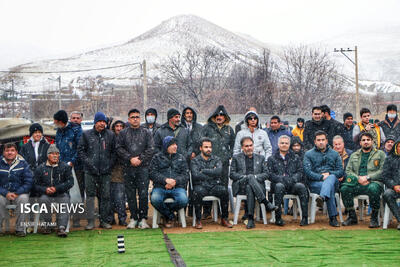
118	127
275	124
317	115
134	119
76	118
252	121
366	142
220	119
300	124
172	149
100	126
206	149
10	153
37	135
321	142
348	121
53	157
296	148
389	145
175	120
188	115
59	124
248	147
338	145
284	145
365	118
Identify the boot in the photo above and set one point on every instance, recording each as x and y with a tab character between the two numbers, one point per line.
90	225
374	223
351	218
304	221
250	223
333	221
278	217
90	213
269	206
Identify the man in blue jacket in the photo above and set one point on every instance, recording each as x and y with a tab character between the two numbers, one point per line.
15	183
323	166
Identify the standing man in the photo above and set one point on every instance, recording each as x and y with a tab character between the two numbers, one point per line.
366	125
364	177
76	117
262	145
299	129
170	173
174	128
323	166
391	124
348	131
275	131
317	123
285	171
189	121
97	151
335	127
135	146
15	184
206	178
222	136
242	125
151	124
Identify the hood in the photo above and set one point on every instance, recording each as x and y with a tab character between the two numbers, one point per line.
296	140
219	110
252	113
151	110
116	122
394	149
183	120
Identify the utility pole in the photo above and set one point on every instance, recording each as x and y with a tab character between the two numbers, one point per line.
355	62
59	92
144	86
12	97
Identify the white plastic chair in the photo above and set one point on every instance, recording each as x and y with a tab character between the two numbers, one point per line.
7	217
387	216
216	202
361	207
239	199
312	207
181	212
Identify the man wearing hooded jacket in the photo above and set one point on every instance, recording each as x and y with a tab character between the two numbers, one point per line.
391	124
151	120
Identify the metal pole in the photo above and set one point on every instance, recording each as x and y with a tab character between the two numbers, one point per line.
357	93
144	86
59	92
12	97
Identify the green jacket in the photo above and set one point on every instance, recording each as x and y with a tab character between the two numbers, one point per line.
374	167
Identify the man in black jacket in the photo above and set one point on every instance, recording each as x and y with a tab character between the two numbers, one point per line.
348	126
248	173
174	128
206	178
286	174
317	123
52	181
169	172
189	121
391	124
335	127
97	151
391	178
135	146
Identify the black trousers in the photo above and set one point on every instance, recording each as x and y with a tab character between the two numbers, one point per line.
299	189
254	190
137	180
220	191
390	197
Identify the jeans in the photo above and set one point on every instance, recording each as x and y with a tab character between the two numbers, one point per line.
158	195
21	216
326	189
118	201
61	217
219	191
100	183
137	179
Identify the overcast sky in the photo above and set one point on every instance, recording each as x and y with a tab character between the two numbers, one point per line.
47	29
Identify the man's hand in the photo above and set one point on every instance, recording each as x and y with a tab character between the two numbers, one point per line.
50	190
193	155
341	179
325	175
70	164
11	196
397	188
362	180
135	161
170	183
368	127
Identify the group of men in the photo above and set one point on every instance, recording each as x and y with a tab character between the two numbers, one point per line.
187	161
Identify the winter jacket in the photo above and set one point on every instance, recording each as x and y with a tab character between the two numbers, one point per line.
391	168
377	133
133	142
335	128
164	165
262	145
348	138
223	139
298	132
180	133
274	136
310	128
194	131
156	125
288	171
296	140
374	168
97	151
59	176
67	140
16	178
316	162
238	171
390	128
206	172
28	153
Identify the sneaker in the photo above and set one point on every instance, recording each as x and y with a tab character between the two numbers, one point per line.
105	225
20	233
198	225
333	222
132	224
90	225
61	232
143	224
279	222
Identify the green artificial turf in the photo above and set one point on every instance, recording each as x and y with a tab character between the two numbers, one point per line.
86	248
290	248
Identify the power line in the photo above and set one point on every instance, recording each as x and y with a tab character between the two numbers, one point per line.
69	71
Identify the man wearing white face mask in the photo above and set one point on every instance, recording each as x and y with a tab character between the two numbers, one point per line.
151	118
391	124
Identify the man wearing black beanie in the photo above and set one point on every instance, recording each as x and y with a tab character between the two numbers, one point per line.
348	131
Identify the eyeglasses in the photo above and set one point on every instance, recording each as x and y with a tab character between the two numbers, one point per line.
252	118
134	117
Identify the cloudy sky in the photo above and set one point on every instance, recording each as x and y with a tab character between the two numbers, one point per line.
53	28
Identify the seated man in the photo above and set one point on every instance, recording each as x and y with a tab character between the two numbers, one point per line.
53	180
364	177
206	178
248	173
15	183
344	153
285	171
391	178
323	166
169	173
